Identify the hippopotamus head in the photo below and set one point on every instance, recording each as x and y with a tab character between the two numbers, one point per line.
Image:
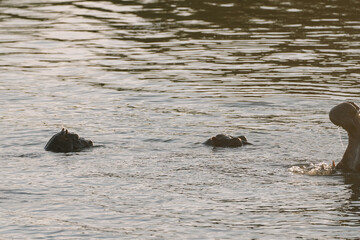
347	116
65	141
222	140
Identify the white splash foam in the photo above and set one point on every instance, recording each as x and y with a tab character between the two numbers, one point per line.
319	169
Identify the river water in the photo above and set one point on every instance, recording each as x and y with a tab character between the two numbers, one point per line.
148	81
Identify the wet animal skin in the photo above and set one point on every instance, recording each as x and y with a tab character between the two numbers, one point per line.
347	116
222	140
64	141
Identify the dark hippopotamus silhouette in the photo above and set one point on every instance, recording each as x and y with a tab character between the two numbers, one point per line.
65	141
222	140
347	116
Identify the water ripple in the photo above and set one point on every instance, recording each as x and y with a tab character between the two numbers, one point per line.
151	80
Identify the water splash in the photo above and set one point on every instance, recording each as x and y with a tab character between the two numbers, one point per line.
318	169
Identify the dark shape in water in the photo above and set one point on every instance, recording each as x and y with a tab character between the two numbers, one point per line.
65	141
347	116
222	140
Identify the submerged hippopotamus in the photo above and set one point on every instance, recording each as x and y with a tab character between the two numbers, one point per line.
347	116
222	140
65	141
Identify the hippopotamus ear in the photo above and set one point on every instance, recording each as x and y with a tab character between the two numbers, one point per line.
355	106
243	138
215	142
236	142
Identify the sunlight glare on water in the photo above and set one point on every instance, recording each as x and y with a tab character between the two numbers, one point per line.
149	81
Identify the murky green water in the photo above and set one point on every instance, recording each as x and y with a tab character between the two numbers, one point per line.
148	81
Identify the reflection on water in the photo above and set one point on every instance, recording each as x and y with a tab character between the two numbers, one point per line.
149	80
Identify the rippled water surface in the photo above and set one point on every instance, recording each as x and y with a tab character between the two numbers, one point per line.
148	81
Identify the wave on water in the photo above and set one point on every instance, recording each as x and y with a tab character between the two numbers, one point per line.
318	169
